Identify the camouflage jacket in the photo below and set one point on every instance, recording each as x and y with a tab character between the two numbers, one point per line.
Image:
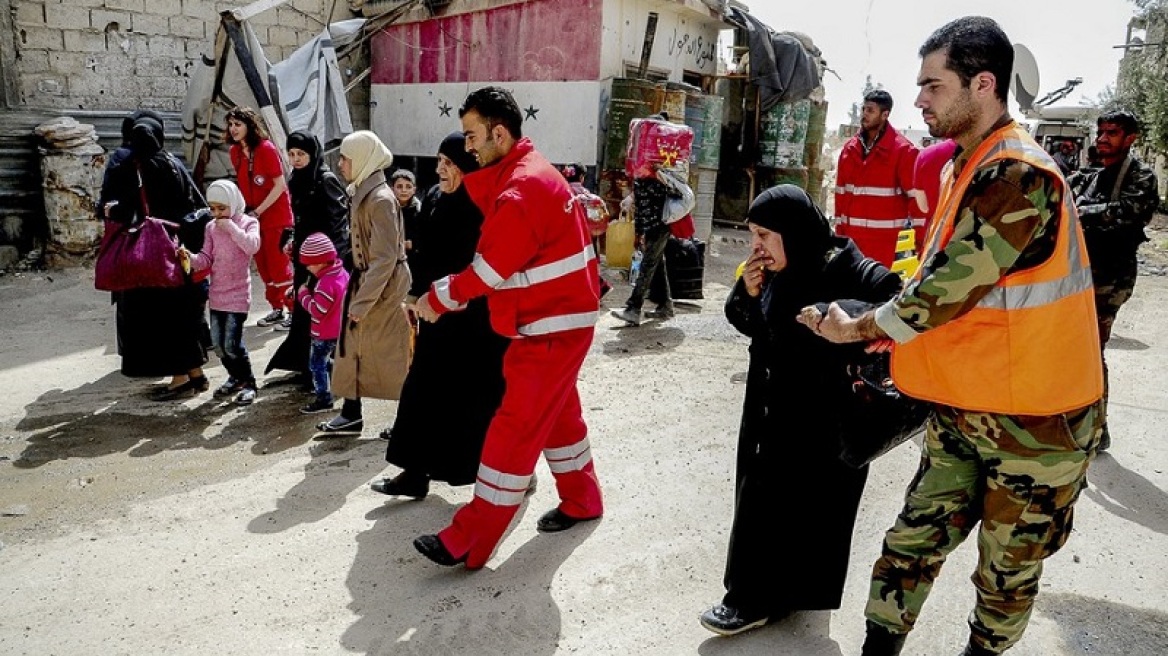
1004	224
1110	224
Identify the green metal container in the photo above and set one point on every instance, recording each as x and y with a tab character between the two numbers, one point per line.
631	98
782	135
703	113
816	127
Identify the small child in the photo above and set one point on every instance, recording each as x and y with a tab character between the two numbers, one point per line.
232	239
324	298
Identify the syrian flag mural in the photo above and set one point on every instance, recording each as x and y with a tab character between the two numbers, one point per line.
546	52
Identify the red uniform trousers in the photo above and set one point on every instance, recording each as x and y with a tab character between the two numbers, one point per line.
540	411
274	267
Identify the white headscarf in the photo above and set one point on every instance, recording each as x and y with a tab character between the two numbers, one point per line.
226	193
367	155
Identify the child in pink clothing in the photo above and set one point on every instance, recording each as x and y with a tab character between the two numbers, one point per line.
324	298
232	239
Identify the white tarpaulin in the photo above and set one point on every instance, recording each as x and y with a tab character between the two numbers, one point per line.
238	76
311	88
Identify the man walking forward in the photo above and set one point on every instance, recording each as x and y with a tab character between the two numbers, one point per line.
997	330
536	265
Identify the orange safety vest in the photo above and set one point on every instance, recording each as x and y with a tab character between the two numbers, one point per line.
1031	345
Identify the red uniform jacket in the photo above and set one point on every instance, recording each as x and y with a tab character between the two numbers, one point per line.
534	259
874	195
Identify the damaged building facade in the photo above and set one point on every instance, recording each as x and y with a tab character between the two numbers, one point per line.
96	60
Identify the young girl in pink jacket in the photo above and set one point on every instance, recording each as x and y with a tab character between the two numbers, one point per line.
232	239
324	298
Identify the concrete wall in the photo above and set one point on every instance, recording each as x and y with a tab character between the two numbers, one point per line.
686	40
124	54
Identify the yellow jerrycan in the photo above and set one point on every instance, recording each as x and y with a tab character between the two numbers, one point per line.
618	242
905	260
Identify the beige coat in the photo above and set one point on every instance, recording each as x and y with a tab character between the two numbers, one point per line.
373	354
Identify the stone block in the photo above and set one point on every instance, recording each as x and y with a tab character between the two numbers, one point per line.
282	36
129	5
40	37
156	66
290	18
87	40
204	9
167	46
165	7
312	7
67	17
150	24
101	19
67	63
33	61
29	13
168	87
185	26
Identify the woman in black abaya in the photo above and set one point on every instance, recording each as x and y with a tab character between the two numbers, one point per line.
319	204
161	331
795	500
458	359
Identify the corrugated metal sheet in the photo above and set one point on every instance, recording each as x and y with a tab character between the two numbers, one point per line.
20	176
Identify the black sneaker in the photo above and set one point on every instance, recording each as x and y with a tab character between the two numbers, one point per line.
727	621
315	407
270	319
285	325
341	425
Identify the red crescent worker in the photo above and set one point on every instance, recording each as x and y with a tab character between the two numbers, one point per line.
537	267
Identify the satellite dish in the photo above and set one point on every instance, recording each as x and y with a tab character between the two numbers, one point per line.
1024	78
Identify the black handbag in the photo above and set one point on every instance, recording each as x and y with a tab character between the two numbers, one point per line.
876	417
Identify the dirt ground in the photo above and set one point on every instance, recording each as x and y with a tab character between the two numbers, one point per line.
134	527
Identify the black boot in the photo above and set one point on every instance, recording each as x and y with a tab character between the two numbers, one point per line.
881	642
973	649
405	484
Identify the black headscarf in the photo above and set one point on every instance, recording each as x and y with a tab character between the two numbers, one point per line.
807	238
454	147
789	211
146	138
128	122
302	181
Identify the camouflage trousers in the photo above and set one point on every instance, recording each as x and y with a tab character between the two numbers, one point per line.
1113	287
1020	477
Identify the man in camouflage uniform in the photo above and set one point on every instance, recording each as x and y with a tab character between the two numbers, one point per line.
1115	203
1018	475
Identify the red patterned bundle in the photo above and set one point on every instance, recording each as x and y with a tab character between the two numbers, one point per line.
653	142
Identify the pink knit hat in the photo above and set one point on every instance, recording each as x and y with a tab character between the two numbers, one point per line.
317	249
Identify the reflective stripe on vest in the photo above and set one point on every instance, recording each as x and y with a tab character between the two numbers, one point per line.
535	275
559	323
859	190
883	224
565	459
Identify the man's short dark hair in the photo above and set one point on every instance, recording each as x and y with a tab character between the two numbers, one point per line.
1126	121
882	98
975	44
497	107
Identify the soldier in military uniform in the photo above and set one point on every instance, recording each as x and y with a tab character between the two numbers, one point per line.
997	330
1115	203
